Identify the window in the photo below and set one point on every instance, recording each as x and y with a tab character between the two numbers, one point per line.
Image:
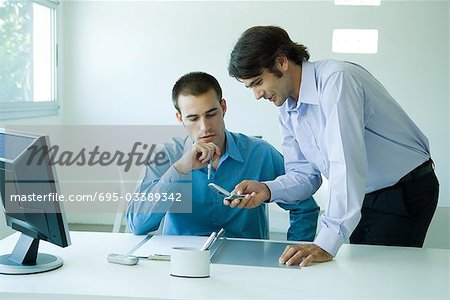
358	2
28	55
355	41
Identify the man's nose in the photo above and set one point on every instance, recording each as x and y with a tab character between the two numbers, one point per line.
205	124
258	93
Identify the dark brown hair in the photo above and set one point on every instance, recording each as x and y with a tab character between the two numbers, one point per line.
258	48
195	83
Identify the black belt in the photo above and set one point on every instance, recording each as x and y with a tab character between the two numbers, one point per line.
422	170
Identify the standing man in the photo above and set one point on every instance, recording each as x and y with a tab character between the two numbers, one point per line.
339	121
200	108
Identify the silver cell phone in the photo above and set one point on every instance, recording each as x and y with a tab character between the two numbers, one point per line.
223	192
122	259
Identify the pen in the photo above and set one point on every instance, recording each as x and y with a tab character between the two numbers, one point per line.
220	233
209	169
209	241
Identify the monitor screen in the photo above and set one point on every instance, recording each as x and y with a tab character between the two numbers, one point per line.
16	145
28	187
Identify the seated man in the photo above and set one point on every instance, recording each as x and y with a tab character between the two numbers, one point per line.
197	98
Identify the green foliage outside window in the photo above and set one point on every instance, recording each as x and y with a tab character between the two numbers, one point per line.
15	51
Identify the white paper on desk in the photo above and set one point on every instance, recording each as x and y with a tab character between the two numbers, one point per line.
162	244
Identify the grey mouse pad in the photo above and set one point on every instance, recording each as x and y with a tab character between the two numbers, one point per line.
261	253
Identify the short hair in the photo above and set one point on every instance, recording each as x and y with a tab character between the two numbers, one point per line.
258	48
195	84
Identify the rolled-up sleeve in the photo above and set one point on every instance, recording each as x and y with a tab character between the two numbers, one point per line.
144	215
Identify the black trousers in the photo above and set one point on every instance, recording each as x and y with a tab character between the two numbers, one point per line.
401	214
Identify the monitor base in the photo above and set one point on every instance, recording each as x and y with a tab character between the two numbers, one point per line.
44	262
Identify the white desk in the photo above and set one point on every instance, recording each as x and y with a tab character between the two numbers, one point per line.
358	272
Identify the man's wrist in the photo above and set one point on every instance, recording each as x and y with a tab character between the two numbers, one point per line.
179	168
275	190
268	193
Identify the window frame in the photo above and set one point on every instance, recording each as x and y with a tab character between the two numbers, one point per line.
24	109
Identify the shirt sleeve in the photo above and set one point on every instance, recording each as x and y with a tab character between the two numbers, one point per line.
301	180
302	214
144	214
343	107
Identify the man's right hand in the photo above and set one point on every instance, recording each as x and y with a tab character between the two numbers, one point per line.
198	157
304	255
257	193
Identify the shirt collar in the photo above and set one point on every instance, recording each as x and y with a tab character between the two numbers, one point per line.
232	149
308	88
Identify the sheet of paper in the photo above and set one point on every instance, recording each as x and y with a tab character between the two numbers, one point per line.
162	244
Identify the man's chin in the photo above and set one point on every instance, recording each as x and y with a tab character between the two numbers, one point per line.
279	103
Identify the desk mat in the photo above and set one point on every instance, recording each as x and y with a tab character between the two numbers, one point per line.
260	253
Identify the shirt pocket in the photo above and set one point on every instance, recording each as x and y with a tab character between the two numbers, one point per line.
309	137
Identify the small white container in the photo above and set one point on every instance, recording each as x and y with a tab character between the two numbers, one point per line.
189	262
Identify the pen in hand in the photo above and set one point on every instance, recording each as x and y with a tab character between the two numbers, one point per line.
209	168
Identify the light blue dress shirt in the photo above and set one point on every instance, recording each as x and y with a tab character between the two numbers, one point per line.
245	158
346	126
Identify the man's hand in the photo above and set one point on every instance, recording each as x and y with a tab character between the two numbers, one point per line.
198	157
257	193
304	255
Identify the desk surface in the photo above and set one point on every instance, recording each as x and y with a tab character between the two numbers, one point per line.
358	272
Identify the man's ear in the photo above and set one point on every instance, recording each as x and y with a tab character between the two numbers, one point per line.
223	104
282	63
179	118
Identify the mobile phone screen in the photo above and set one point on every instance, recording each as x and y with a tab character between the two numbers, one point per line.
218	189
223	192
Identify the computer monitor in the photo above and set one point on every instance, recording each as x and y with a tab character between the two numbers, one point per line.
29	192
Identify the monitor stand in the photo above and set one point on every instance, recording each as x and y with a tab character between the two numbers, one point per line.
25	258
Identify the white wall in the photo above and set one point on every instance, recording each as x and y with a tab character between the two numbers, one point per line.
119	60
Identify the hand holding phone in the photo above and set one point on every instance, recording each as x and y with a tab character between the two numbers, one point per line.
223	192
